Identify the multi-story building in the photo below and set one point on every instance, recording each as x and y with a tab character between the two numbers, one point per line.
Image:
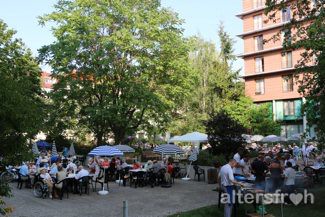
47	81
268	69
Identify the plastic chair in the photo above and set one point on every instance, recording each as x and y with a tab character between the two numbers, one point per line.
198	172
21	179
63	189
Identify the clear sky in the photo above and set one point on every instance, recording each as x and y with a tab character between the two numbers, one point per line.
200	17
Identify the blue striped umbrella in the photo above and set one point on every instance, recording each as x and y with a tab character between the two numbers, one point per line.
105	150
125	148
54	151
168	149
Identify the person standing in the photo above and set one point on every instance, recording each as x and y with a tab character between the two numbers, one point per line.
238	167
276	172
259	169
227	181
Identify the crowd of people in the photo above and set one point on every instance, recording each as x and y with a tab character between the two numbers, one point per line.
271	171
53	169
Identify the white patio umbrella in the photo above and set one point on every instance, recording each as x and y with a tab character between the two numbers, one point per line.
124	148
105	150
256	138
194	137
174	139
35	149
273	138
72	152
295	137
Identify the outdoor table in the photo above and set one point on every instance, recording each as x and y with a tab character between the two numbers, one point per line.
317	167
137	170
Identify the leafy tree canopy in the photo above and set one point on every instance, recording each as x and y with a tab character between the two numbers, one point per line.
21	111
121	64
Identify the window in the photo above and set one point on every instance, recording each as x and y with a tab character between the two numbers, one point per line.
286	60
259	64
286	14
287	83
258	42
289	108
258	24
258	3
259	89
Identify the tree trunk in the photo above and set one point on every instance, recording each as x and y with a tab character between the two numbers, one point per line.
119	135
99	137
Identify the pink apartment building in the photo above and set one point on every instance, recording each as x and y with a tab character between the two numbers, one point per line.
47	81
268	69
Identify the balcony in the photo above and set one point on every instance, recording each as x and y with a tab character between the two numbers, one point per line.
262	29
267	73
260	52
250	12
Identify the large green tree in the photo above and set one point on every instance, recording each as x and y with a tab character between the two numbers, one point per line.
121	64
307	26
21	111
256	118
215	83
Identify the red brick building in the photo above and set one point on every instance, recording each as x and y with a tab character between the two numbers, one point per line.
268	70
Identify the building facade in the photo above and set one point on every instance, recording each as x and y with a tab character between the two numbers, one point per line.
268	69
47	81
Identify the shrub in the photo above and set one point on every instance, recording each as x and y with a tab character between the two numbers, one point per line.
206	158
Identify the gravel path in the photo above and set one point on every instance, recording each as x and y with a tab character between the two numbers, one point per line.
143	202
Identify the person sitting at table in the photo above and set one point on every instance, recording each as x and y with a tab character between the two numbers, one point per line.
32	172
81	172
24	173
318	162
148	165
23	169
60	175
47	180
53	170
156	166
136	165
71	167
105	163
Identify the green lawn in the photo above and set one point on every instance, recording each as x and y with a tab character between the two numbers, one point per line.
311	210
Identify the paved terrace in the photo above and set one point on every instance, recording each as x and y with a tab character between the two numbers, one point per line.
143	201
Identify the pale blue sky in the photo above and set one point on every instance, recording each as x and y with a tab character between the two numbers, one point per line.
200	16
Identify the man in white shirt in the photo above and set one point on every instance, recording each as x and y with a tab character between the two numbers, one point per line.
81	173
288	158
238	169
227	180
72	167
